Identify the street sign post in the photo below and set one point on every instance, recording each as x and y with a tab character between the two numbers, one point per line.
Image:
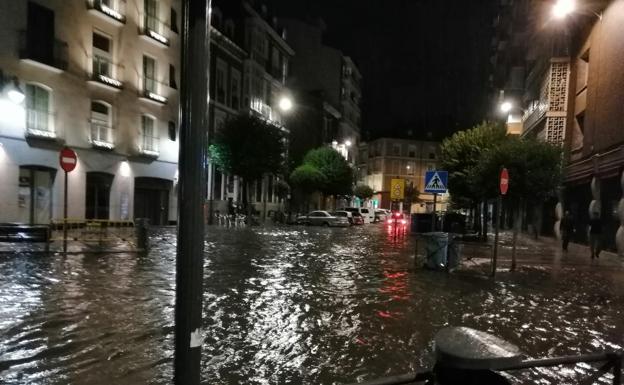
436	182
504	187
68	161
397	189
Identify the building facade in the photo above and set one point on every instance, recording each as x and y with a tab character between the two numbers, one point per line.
250	62
572	98
101	77
384	159
327	88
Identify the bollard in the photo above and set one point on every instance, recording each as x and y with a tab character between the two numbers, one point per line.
142	225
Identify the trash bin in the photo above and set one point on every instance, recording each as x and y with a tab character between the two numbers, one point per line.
436	249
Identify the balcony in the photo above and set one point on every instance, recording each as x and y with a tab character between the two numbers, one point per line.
43	52
103	74
101	135
148	145
114	12
155	31
151	92
40	124
266	111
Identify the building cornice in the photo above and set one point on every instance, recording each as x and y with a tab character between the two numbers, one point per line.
269	28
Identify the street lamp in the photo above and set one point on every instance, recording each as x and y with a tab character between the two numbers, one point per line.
506	107
348	143
285	104
12	89
563	8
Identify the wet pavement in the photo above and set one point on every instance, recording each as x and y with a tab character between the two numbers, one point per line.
295	305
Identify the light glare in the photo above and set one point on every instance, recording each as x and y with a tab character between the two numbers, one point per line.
563	8
285	104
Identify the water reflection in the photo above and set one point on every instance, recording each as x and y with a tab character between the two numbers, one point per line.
291	305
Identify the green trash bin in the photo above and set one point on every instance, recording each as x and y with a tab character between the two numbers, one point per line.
436	249
454	251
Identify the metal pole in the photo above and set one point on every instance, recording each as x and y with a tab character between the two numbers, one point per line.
435	216
65	216
192	189
498	220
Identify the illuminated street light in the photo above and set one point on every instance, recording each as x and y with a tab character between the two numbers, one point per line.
14	92
285	104
563	8
506	107
348	143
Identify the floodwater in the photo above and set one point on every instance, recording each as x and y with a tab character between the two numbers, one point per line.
289	306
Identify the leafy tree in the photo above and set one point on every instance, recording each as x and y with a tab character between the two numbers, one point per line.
337	171
282	189
308	178
248	147
363	192
411	195
461	154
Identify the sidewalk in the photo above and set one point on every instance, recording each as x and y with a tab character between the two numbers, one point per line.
531	252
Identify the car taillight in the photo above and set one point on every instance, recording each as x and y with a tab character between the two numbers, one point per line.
389	221
403	221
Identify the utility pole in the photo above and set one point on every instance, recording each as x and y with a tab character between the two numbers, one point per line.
192	190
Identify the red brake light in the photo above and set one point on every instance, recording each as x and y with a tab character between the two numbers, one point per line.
397	215
403	221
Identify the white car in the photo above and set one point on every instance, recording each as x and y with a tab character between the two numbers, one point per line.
322	218
367	214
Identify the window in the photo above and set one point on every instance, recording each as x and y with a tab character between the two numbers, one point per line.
396	149
220	89
172	131
149	139
151	12
432	155
410	168
40	33
174	20
580	120
102	55
172	77
149	74
101	127
38	110
412	151
582	69
235	90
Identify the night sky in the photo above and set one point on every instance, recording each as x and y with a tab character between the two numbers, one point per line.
425	62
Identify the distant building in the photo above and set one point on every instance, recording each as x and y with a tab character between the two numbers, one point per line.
384	159
327	88
101	77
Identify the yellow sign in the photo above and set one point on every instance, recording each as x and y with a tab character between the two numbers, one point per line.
397	189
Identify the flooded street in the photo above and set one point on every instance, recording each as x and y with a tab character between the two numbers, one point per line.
288	305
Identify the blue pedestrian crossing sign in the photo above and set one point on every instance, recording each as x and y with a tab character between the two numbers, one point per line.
436	182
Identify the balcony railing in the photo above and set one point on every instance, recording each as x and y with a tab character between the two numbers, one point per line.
51	53
116	13
40	124
148	145
266	111
103	72
155	30
102	135
151	90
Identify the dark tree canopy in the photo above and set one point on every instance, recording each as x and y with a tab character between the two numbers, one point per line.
308	178
337	171
363	191
249	147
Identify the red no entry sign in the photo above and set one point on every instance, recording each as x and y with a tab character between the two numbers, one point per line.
68	159
504	181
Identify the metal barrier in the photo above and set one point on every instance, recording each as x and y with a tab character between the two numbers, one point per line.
94	230
612	363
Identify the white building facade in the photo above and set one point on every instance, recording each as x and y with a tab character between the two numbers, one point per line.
100	77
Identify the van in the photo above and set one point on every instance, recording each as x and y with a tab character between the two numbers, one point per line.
367	214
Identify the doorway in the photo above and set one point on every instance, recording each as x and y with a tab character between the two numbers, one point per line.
151	199
98	195
34	198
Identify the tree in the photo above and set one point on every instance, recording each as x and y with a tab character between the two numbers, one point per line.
248	147
363	192
411	195
308	179
337	171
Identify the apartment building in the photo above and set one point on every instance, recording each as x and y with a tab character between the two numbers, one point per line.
250	62
101	77
327	85
384	159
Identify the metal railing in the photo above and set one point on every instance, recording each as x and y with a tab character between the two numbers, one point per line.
104	71
116	12
40	123
32	49
148	145
612	362
155	29
102	134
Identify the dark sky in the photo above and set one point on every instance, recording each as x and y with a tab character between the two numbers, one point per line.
424	62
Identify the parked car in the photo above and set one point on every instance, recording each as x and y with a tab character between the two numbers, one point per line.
323	218
358	219
354	218
381	215
397	219
366	213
